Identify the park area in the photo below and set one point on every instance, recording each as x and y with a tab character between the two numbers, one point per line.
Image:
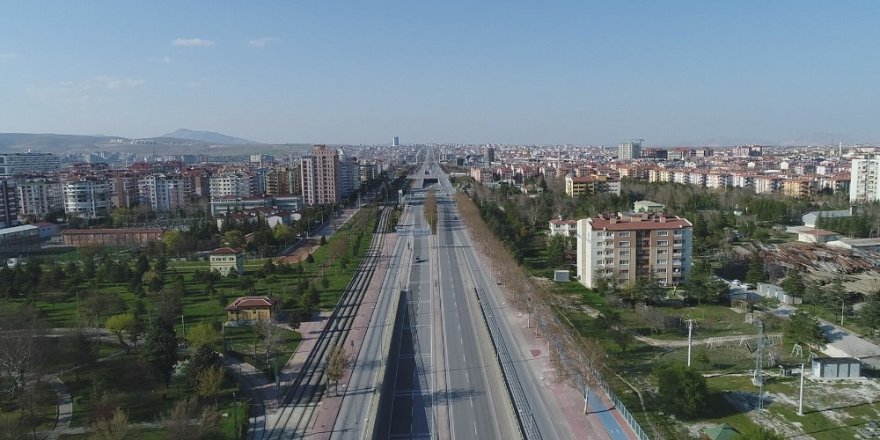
136	339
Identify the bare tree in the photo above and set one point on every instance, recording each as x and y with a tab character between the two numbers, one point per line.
590	362
186	421
21	353
113	428
272	337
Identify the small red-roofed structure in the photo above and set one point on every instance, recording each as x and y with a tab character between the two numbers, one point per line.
252	308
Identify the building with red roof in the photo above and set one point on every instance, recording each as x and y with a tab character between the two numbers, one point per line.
226	260
252	308
626	247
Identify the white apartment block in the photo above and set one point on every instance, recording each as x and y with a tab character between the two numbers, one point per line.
631	149
162	192
38	197
28	163
238	185
864	180
86	198
622	248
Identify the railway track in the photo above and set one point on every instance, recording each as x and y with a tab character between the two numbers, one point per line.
300	401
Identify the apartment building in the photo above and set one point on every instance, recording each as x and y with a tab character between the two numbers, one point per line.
8	204
594	184
237	185
163	192
625	247
37	197
631	149
13	164
123	190
349	176
864	180
320	176
86	197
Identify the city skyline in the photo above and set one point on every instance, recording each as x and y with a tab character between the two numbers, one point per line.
683	73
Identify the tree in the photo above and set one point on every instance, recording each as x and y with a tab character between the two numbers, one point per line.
160	350
114	428
21	350
337	363
310	259
869	314
794	284
173	240
210	381
186	422
682	390
755	273
591	360
233	238
119	324
202	333
284	234
804	328
622	338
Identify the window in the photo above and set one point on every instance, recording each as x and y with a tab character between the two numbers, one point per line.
623	234
662	233
623	262
662	243
662	251
623	244
624	253
661	270
678	232
661	261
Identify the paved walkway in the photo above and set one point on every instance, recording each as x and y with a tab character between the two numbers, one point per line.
65	409
328	410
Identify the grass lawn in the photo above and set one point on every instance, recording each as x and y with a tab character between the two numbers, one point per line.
243	341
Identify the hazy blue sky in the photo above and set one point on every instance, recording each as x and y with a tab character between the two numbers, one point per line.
445	71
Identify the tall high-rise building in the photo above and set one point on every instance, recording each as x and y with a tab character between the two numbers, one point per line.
395	141
320	176
864	180
86	197
8	204
631	149
623	248
13	164
349	176
490	155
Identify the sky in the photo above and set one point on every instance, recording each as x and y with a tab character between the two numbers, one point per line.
359	72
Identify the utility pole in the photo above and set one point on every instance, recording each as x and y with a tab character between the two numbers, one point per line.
690	339
801	399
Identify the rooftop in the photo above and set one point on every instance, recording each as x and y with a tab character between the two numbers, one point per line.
251	302
225	251
643	221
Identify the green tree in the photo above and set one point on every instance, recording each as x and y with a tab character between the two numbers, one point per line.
869	314
337	363
682	390
160	350
755	273
284	234
120	324
794	284
233	238
202	333
804	328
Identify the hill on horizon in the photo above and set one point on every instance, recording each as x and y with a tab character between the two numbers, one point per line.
207	136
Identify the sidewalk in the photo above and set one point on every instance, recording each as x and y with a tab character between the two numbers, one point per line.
328	410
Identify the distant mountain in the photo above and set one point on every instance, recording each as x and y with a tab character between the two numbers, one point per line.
207	136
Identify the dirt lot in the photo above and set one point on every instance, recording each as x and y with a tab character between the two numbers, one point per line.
300	253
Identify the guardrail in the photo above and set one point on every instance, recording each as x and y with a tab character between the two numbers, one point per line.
521	405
